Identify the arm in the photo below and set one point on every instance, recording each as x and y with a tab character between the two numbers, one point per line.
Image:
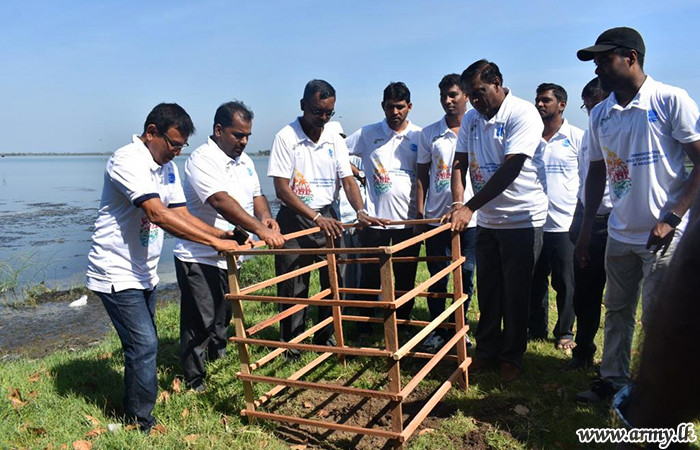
422	186
595	187
261	209
328	225
180	223
355	199
230	210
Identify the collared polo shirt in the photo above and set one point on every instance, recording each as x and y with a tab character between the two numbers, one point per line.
389	160
642	148
314	169
437	148
561	158
126	246
584	162
209	170
515	129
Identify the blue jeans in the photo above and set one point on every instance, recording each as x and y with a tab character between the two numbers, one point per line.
133	314
441	245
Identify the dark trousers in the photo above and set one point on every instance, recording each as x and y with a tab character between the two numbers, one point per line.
557	259
441	245
590	284
204	317
298	286
506	261
133	314
404	273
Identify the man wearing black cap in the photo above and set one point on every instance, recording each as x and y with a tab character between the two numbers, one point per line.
640	135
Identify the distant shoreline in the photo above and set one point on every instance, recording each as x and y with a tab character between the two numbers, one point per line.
2	155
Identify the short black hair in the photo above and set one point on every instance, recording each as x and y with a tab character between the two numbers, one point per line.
224	113
450	80
558	91
323	87
168	115
397	91
486	70
592	89
625	51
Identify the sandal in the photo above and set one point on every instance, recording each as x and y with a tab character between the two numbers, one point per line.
565	344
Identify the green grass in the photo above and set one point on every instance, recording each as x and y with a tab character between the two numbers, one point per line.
59	392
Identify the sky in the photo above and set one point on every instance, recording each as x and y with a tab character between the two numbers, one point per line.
81	76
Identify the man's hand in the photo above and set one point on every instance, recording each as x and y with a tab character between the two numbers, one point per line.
365	220
661	236
581	255
272	238
226	234
271	224
460	216
330	226
225	245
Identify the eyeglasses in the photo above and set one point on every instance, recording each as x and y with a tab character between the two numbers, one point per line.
173	145
584	107
319	113
240	136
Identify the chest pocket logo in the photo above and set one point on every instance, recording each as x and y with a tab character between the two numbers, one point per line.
171	178
652	116
250	172
330	152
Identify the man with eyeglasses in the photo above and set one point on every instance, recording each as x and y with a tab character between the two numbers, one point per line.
640	135
389	152
308	163
142	195
222	189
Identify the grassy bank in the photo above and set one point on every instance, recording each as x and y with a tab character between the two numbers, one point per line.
70	397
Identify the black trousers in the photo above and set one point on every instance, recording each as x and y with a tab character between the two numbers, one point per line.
590	284
557	259
506	260
298	286
204	316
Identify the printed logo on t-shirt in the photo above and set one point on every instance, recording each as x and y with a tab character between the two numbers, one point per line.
148	232
171	178
566	143
618	173
653	116
378	140
475	173
443	174
330	151
250	172
382	181
414	148
501	131
302	188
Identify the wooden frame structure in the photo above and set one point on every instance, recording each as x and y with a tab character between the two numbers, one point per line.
394	392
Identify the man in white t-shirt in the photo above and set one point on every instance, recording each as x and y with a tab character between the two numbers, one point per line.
141	197
640	135
498	140
308	164
559	150
222	189
435	157
589	281
389	150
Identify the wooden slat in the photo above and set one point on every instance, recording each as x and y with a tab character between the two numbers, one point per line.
308	301
284	314
434	400
409	322
460	314
286	276
452	358
425	331
434	361
327	425
314	386
312	251
362	351
427	283
417	239
295	376
397	259
333	280
365	291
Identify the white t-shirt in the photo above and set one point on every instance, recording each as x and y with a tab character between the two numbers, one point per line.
561	157
389	160
347	212
126	246
584	161
209	170
642	147
515	129
314	169
437	147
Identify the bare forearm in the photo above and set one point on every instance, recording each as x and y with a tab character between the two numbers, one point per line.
422	185
261	208
198	224
499	182
459	171
177	224
352	192
595	188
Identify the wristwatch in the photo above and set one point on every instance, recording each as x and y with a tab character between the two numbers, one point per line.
360	211
672	219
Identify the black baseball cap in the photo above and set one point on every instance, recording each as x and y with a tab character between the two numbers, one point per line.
614	38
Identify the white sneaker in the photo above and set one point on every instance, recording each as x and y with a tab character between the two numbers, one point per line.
433	343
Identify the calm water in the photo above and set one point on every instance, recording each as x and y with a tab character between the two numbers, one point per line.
48	206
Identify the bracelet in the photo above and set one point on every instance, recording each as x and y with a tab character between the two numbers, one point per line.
457	203
317	216
360	211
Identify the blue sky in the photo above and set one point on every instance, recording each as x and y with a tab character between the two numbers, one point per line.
82	75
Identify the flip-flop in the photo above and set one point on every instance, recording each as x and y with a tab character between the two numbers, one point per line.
565	344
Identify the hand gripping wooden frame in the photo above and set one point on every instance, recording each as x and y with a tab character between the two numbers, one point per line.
395	393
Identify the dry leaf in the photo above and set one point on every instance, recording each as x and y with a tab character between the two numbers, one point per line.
176	386
298	447
133	426
48	447
82	445
521	410
224	421
164	397
93	420
425	431
323	413
36	376
308	405
95	432
32	394
185	413
158	429
104	356
64	446
16	398
190	437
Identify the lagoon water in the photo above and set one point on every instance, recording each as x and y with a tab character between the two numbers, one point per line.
48	206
